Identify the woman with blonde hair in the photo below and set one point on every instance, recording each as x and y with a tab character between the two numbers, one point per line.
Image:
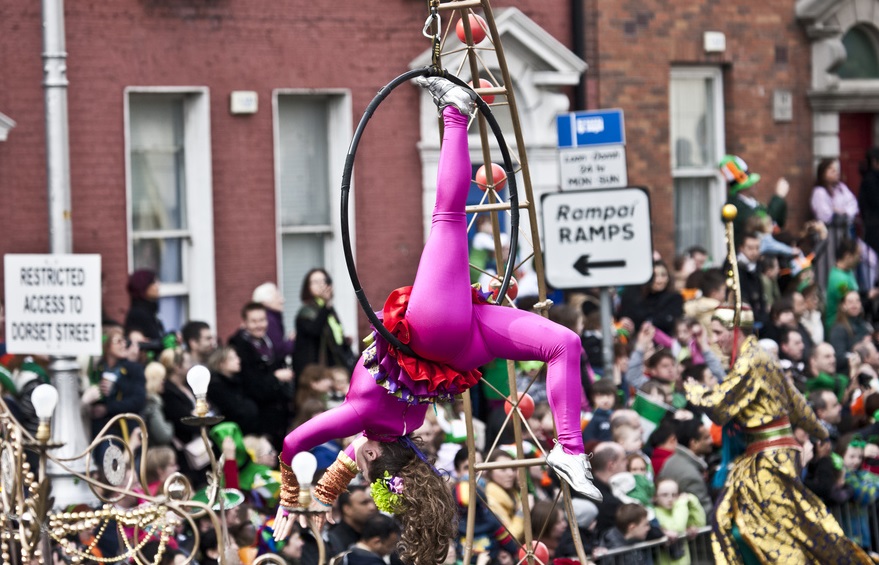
503	497
178	402
161	430
226	391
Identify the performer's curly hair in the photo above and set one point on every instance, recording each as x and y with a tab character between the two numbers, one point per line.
428	513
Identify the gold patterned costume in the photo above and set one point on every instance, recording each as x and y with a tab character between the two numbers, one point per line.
764	503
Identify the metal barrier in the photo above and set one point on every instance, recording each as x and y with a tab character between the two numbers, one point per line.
658	551
860	523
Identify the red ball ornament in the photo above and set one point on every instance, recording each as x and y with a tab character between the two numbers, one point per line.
484	83
541	553
498	175
477	29
526	406
494	286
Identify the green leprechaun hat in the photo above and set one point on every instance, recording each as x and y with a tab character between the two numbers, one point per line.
737	175
251	475
230	429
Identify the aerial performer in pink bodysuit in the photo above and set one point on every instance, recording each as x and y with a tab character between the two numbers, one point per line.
453	330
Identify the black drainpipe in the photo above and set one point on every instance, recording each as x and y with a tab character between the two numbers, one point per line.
578	38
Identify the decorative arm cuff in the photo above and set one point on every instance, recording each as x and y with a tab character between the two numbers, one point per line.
335	480
348	462
289	492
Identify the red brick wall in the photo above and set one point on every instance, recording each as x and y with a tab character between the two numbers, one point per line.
225	45
630	60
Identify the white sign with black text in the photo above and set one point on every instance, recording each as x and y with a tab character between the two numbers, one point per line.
53	304
597	238
593	167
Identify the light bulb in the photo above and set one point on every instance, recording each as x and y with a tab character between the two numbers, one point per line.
304	465
199	378
44	398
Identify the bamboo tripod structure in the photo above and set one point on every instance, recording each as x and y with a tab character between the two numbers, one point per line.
468	58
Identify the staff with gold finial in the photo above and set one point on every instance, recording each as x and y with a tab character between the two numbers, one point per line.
729	213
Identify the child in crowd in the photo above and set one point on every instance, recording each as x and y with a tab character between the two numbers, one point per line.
644	490
662	368
604	395
864	486
871	456
632	526
679	514
656	393
341	383
630	438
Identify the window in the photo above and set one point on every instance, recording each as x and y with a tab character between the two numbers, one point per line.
696	125
312	132
170	212
861	61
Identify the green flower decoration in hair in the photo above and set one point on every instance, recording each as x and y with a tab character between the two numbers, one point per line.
387	492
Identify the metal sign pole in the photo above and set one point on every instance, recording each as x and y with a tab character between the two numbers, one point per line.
68	426
606	331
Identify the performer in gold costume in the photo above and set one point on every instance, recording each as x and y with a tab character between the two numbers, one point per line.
765	514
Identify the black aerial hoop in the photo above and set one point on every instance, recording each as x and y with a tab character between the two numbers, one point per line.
346	189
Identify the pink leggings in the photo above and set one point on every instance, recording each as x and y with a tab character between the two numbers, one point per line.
446	326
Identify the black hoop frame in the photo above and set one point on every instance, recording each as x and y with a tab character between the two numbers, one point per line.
346	189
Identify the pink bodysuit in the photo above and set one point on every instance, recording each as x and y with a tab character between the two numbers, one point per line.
447	327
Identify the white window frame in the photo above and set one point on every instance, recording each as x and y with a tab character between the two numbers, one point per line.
339	132
199	281
717	190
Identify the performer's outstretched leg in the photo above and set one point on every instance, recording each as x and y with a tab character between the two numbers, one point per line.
440	307
507	333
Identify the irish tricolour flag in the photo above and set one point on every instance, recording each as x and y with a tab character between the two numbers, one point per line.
650	411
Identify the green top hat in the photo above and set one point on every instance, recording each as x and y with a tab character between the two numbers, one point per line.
737	175
230	429
251	475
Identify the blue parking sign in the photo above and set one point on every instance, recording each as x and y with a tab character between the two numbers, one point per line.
599	127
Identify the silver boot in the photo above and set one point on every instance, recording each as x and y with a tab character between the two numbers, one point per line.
446	93
575	469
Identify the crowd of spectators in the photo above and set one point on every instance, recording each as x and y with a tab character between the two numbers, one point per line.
655	457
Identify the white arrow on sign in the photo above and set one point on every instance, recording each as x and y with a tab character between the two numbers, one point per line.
596	238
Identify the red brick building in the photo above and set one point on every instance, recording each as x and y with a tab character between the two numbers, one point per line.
165	173
768	81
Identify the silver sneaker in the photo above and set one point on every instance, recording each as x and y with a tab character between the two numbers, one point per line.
575	469
447	93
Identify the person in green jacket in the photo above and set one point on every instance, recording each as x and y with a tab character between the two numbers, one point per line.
679	515
841	279
822	372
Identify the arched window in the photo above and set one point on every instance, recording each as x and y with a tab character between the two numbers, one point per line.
861	59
